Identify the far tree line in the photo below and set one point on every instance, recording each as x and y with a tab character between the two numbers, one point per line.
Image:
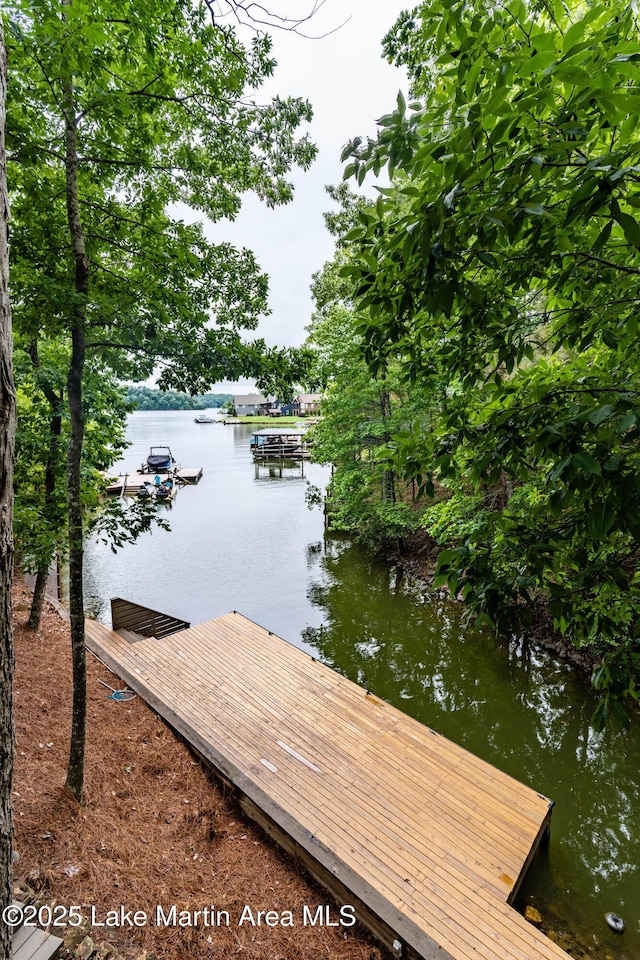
148	398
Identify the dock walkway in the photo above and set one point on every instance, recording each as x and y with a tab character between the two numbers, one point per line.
427	841
32	943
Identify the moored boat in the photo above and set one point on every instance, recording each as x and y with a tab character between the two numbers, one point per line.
159	459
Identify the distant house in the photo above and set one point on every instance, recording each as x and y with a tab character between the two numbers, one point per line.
271	407
255	404
248	405
306	404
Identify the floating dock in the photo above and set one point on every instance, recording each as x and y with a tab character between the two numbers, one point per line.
128	484
427	841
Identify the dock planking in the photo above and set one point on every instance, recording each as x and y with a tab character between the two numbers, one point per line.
428	841
32	943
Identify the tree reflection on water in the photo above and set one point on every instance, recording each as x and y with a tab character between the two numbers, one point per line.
516	706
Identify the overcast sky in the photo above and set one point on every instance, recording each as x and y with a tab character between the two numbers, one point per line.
349	86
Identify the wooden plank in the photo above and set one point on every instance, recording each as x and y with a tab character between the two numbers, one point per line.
416	732
406	790
174	678
143	620
427	838
189	474
470	837
48	949
478	926
185	704
287	823
31	943
130	636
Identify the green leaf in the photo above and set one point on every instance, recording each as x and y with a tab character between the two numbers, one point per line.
586	462
559	469
630	227
620	712
538	63
601	519
575	34
625	423
602	413
610	339
600	717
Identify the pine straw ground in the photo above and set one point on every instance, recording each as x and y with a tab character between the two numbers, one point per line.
154	829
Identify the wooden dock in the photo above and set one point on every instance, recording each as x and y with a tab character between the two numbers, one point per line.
427	841
128	484
32	943
279	443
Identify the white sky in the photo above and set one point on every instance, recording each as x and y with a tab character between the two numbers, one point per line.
349	86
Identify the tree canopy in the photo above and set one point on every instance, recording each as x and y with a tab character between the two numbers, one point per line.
119	113
160	110
360	413
505	256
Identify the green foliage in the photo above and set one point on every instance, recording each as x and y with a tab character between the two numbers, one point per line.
360	413
163	115
40	516
460	517
505	258
146	398
118	522
119	113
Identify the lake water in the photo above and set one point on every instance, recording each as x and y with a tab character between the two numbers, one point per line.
243	539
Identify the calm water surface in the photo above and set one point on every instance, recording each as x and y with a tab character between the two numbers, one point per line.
243	539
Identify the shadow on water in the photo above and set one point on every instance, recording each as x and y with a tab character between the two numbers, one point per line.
519	708
244	539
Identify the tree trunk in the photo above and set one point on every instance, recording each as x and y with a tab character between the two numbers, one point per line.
388	491
75	771
37	600
7	440
50	483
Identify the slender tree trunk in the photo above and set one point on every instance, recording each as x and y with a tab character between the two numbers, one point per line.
37	600
39	594
388	477
7	440
50	484
75	771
